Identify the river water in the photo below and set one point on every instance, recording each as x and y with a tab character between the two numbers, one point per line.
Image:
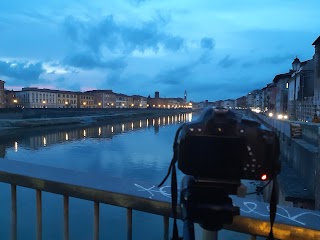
139	150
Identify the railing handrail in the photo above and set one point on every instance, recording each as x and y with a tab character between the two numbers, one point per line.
103	189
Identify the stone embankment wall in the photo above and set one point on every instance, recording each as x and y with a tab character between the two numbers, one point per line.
300	174
52	117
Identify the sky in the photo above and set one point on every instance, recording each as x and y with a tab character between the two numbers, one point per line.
213	49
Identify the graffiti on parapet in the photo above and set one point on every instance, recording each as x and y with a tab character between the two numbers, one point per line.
252	207
246	207
165	190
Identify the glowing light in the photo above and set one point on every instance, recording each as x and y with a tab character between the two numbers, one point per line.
285	116
153	105
122	127
44	141
280	116
44	102
140	123
164	120
15	146
68	103
99	130
147	122
111	104
84	133
84	103
15	101
140	105
270	114
67	137
153	122
264	177
132	125
168	119
132	105
122	104
112	129
99	103
190	117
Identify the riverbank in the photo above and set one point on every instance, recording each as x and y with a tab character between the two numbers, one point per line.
85	117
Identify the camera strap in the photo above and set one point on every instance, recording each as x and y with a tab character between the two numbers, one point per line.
174	185
273	206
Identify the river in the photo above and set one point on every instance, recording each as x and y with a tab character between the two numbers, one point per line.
139	150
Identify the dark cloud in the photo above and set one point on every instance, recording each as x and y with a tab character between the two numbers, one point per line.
117	37
207	43
91	61
21	71
174	76
227	62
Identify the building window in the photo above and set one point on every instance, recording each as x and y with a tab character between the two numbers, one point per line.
287	85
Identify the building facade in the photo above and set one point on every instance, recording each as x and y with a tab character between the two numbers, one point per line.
316	59
2	94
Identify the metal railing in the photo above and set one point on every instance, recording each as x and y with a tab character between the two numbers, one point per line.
87	186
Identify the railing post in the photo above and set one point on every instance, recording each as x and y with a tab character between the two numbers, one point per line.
39	214
65	217
96	221
129	224
210	235
166	228
13	212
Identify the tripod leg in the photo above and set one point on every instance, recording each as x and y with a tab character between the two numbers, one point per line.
188	230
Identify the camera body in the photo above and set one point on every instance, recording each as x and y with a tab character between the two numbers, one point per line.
223	145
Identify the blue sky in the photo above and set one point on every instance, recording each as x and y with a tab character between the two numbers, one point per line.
213	49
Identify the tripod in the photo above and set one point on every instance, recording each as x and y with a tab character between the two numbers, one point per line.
206	201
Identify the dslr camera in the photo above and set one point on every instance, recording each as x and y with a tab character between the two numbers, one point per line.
216	152
223	145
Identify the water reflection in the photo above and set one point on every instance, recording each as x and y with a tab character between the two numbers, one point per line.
35	139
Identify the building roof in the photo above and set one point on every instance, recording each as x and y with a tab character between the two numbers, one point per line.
281	76
296	60
317	41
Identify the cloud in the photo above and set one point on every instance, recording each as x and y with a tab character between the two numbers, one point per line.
274	60
90	61
207	43
176	75
21	71
227	62
119	37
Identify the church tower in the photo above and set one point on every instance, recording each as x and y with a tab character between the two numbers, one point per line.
185	96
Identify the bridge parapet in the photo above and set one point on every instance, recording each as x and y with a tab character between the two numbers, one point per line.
302	154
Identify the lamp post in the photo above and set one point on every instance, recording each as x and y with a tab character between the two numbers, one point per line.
15	101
